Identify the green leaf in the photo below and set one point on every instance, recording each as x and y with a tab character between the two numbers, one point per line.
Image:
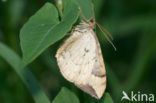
66	96
35	31
28	78
12	58
86	7
107	98
43	29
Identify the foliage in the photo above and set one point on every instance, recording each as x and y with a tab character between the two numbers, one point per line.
66	96
132	24
43	29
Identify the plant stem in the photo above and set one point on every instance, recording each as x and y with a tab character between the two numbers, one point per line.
59	5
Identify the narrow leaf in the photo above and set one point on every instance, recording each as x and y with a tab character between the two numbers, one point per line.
30	81
9	56
66	96
107	98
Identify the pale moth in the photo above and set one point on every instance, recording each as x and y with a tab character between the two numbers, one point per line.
80	59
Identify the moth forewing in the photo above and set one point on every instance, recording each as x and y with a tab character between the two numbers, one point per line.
80	61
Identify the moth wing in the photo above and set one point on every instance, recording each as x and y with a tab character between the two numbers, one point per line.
80	61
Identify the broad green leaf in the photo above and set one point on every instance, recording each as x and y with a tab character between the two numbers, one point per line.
35	31
43	29
86	7
30	81
107	98
66	96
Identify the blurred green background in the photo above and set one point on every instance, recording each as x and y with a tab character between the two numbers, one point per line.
132	23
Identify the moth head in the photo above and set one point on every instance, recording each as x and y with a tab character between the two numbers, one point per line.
90	21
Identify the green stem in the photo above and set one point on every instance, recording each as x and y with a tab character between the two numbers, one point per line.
59	5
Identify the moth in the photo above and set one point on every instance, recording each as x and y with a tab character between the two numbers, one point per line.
80	59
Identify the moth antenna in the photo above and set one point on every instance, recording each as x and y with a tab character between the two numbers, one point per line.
106	36
83	15
93	14
103	29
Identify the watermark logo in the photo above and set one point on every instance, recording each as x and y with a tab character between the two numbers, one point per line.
125	96
140	97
